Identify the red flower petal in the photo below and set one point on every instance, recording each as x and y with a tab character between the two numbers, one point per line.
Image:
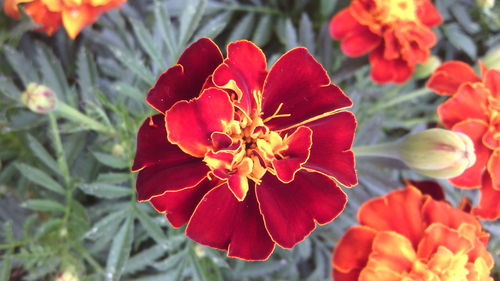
359	42
291	210
470	101
184	80
352	251
431	188
238	184
475	129
492	81
299	145
221	221
442	212
179	206
449	76
398	211
494	169
153	146
301	86
191	123
342	24
331	149
488	207
246	66
384	70
158	179
428	14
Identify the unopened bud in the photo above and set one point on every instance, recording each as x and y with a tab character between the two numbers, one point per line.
118	150
68	274
492	59
199	251
427	68
39	98
438	153
485	4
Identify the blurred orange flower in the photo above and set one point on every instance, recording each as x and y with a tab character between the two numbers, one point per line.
396	33
474	109
406	235
74	15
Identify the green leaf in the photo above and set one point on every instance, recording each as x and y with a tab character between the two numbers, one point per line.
326	8
190	19
7	263
164	25
53	75
111	160
152	228
105	225
198	272
120	251
243	28
460	40
43	205
113	178
306	33
263	33
40	178
130	91
22	66
147	43
87	73
291	35
143	259
135	65
104	190
214	26
41	153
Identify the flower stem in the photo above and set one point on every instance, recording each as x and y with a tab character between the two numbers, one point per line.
386	150
401	99
71	113
58	147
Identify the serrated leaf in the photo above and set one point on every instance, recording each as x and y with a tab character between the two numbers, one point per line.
143	259
119	251
134	64
262	33
214	26
306	33
87	73
190	19
53	75
147	43
111	160
104	190
43	205
105	225
152	228
243	29
130	91
41	153
39	177
22	66
113	178
164	25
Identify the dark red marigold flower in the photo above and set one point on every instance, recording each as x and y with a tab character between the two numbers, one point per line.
396	33
407	235
246	156
474	109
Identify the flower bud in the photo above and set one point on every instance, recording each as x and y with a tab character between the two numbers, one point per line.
68	274
438	153
427	68
492	59
39	98
485	4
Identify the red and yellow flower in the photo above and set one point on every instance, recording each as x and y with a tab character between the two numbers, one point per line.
246	155
396	33
474	109
74	15
406	235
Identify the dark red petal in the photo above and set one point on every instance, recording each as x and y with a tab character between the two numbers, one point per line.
291	210
449	76
158	179
184	80
469	102
342	24
191	123
428	14
153	146
246	66
220	221
492	81
299	145
178	206
475	129
360	41
431	188
331	149
488	207
301	86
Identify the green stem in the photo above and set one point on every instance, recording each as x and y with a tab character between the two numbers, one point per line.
386	150
401	99
88	257
73	114
58	147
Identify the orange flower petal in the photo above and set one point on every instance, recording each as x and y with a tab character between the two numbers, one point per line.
494	169
428	14
49	21
75	18
445	214
342	24
492	81
449	76
11	8
488	207
352	250
438	235
392	251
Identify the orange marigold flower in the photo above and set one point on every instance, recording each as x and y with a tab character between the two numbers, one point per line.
243	154
406	235
474	109
396	33
74	15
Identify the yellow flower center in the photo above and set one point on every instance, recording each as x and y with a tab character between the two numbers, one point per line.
396	10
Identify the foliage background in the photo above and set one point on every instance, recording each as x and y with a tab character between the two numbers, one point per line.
67	201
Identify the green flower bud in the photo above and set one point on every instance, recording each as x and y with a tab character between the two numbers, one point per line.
39	98
427	68
438	153
485	4
69	274
492	59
